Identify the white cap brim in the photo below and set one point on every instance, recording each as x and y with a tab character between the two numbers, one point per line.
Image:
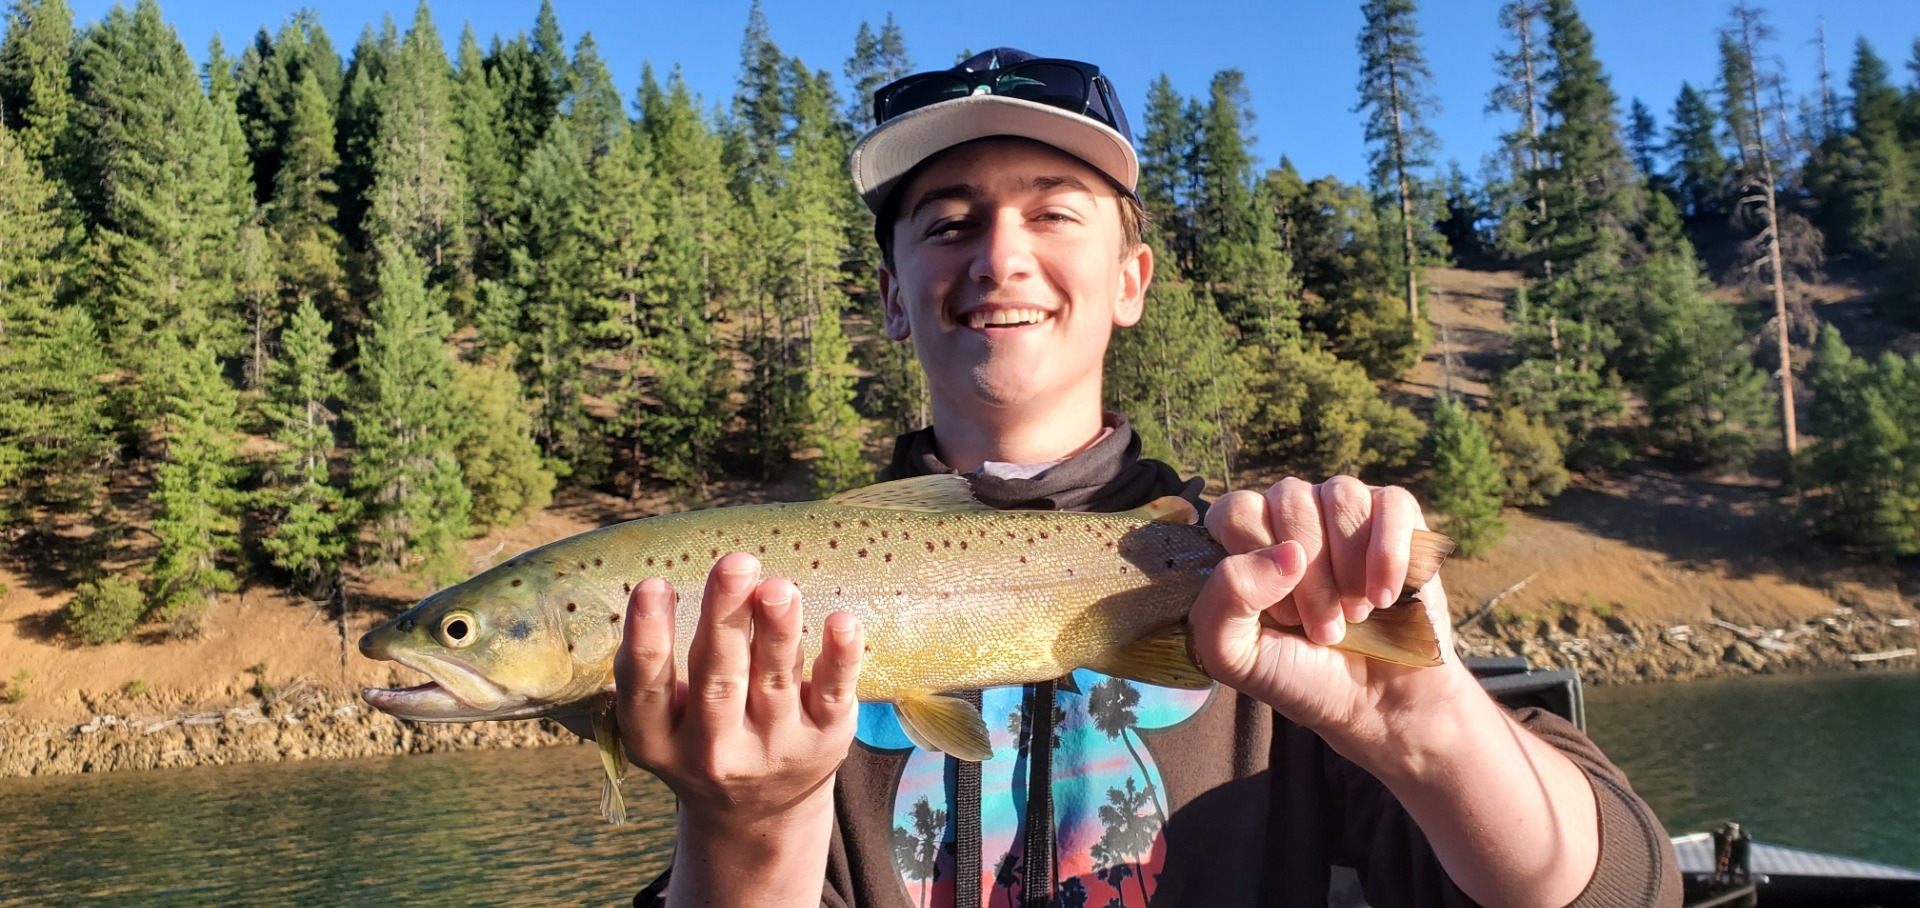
887	154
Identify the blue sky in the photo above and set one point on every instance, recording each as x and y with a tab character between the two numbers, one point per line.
1299	56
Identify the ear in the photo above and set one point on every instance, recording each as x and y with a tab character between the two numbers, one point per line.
1136	272
893	310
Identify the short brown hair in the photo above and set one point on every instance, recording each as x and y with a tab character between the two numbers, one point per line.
1133	215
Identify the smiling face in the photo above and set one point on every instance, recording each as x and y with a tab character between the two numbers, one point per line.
1008	275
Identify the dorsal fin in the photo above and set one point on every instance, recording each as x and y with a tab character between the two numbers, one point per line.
1170	509
1429	550
940	492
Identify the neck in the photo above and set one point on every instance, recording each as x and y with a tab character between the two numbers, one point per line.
1028	434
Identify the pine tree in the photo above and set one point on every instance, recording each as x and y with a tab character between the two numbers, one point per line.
54	433
1466	488
501	465
1529	455
1175	375
1700	169
309	520
833	425
357	134
1521	91
159	202
757	105
1168	153
270	73
878	58
477	113
35	53
593	105
195	500
529	98
403	413
692	376
1317	415
1236	256
1746	83
541	303
1859	485
1394	92
1643	139
418	197
300	216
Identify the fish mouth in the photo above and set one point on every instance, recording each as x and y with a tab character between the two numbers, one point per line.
453	693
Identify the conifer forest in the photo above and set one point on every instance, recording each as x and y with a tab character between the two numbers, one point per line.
312	309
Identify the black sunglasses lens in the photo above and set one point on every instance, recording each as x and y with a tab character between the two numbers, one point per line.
1052	84
929	89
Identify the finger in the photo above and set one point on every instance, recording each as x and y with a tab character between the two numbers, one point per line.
833	688
1346	510
1294	508
720	658
776	652
1394	515
1239	522
643	671
1226	614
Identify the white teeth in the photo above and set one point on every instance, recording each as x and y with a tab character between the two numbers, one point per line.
1005	317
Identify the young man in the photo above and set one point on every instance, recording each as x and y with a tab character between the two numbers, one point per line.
1011	232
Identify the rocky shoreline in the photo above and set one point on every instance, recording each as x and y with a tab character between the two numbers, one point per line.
305	722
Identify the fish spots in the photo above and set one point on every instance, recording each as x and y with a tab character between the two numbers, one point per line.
1023	559
516	581
816	564
1072	572
796	545
837	591
626	588
1043	535
886	534
684	557
863	553
520	630
833	543
963	545
713	553
865	525
559	574
836	524
930	545
763	550
613	618
569	647
1123	569
649	561
889	558
904	535
573	606
946	543
872	541
776	531
597	562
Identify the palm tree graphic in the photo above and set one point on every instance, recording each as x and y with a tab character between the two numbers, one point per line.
1111	704
1127	836
917	851
1006	874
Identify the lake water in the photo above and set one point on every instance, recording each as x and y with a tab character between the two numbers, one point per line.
1827	763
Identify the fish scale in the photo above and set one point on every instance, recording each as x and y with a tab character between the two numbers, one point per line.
952	595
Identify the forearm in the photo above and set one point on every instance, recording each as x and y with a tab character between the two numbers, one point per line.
1510	817
775	861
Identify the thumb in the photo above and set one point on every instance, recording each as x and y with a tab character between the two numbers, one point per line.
1226	616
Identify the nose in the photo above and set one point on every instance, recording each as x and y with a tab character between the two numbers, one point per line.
1005	250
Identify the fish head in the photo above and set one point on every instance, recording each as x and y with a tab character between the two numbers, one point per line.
493	647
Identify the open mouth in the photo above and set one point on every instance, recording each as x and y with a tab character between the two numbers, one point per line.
438	702
1005	318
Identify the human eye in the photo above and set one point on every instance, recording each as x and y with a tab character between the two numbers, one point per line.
947	228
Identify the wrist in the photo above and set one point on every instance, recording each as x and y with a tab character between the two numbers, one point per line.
1419	730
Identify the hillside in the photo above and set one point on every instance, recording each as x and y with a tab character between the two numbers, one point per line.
1647	546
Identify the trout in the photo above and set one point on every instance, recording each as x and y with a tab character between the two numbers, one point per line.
953	596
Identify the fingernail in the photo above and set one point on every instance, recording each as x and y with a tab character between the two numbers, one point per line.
776	605
1288	556
841	627
1331	633
736	582
1358	612
650	600
1383	597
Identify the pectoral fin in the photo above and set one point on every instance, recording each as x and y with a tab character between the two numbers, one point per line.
947	724
1163	658
613	758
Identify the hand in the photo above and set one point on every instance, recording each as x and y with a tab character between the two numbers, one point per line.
1318	558
741	740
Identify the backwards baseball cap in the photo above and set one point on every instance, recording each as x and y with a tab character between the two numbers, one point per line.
1002	92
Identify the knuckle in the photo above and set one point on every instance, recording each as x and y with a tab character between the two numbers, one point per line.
718	688
776	680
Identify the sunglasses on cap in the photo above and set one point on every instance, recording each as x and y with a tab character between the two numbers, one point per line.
1070	85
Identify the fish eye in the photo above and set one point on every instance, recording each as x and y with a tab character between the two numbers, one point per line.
459	630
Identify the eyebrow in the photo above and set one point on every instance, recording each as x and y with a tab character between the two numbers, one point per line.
967	192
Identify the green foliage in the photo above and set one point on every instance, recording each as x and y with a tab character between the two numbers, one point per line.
1861	478
502	465
306	247
1394	94
160	198
309	518
1318	415
403	416
1466	488
135	688
1706	402
104	610
878	58
417	200
16	691
1528	452
833	425
196	502
34	56
1176	377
